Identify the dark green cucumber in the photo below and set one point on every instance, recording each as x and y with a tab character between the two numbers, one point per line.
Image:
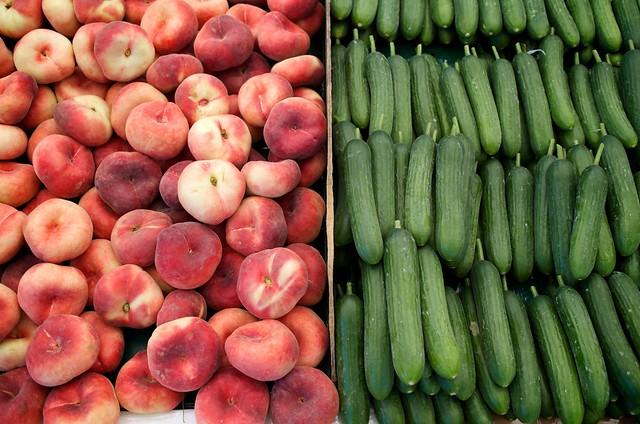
365	225
584	102
463	266
514	16
462	385
524	391
404	387
556	82
423	105
466	17
378	367
493	216
563	22
630	85
339	92
378	73
389	410
402	153
476	410
411	18
418	198
569	138
352	387
527	157
615	410
383	174
402	130
363	13
343	132
583	17
357	84
490	20
448	408
556	359
459	106
622	198
429	385
609	102
505	94
537	19
340	28
446	36
626	298
519	191
627	14
485	111
401	268
388	19
608	32
418	408
534	101
444	120
428	31
630	265
561	182
496	397
442	13
591	194
591	416
621	362
341	9
547	408
586	351
543	257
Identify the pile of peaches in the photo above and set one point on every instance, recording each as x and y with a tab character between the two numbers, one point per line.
158	165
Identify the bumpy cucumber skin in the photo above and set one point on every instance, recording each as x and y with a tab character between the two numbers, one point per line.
505	91
448	408
563	22
556	82
389	410
340	95
583	17
627	14
363	13
490	22
388	19
383	177
542	239
514	16
585	104
428	31
418	408
466	16
411	18
630	265
402	153
476	410
443	13
537	19
626	298
519	189
493	216
422	98
378	72
608	32
418	203
343	132
357	84
402	130
630	86
463	267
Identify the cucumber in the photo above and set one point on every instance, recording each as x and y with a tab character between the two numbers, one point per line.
569	138
402	130
343	132
466	18
402	153
389	410
537	19
418	198
543	257
485	111
630	85
583	17
609	103
496	397
519	192
378	73
547	408
428	31
626	298
534	101
464	384
621	362
556	358
591	416
591	194
418	408
586	351
404	387
514	16
357	84
561	181
608	32
423	105
351	384
556	82
401	268
490	19
615	410
340	28
388	19
476	410
383	174
584	102
505	94
630	265
363	13
493	216
444	120
622	197
429	385
365	226
563	22
341	9
524	391
627	14
459	106
442	13
448	409
463	266
339	92
378	367
411	18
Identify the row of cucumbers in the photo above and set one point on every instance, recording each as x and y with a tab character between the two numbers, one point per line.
423	350
605	23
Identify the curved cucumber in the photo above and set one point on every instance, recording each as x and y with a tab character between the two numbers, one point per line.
357	84
584	102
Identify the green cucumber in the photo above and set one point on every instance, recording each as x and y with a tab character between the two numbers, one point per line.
418	198
402	153
365	225
389	410
401	268
630	85
584	345
547	408
583	17
609	103
383	174
404	387
584	102
514	16
615	410
537	19
626	298
423	105
429	385
466	17
343	132
357	84
411	18
608	32
556	359
339	92
563	22
622	198
448	408
378	73
444	120
428	32
363	13
340	28
505	93
543	256
630	265
478	87
490	19
476	410
402	129
418	408
378	368
463	266
341	9
493	216
621	362
534	101
627	14
351	384
388	19
442	13
519	192
591	416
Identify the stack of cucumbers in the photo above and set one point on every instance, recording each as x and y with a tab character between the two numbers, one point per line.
486	221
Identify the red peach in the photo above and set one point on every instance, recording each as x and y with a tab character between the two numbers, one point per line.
169	70
89	397
316	270
41	108
11	236
264	350
231	396
134	10
18	183
61	16
182	303
207	9
13	348
111	343
311	94
234	78
311	333
226	321
58	230
259	94
184	353
304	70
44	54
86	118
172	25
279	38
166	288
139	392
201	95
97	260
6	60
169	184
223	136
17	91
21	398
39	198
89	11
313	23
293	9
115	144
62	348
45	128
10	310
10	277
134	236
64	166
311	169
250	14
19	17
83	41
102	216
222	43
304	210
187	254
271	179
78	84
255	155
220	291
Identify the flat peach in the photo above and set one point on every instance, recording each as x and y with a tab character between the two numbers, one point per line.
304	210
312	169
220	291
45	128
169	70
10	310
134	236
169	184
172	25
316	270
250	14
78	84
14	270
182	303
86	118
17	91
111	343
311	333
88	11
83	41
293	9
13	348
13	142
222	43
102	216
311	94
21	398
223	136
42	196
20	17
279	38
45	55
11	236
312	23
97	260
259	94
304	70
201	95
234	78
41	108
271	179
226	321
134	10
6	60
61	16
115	144
18	183
207	9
